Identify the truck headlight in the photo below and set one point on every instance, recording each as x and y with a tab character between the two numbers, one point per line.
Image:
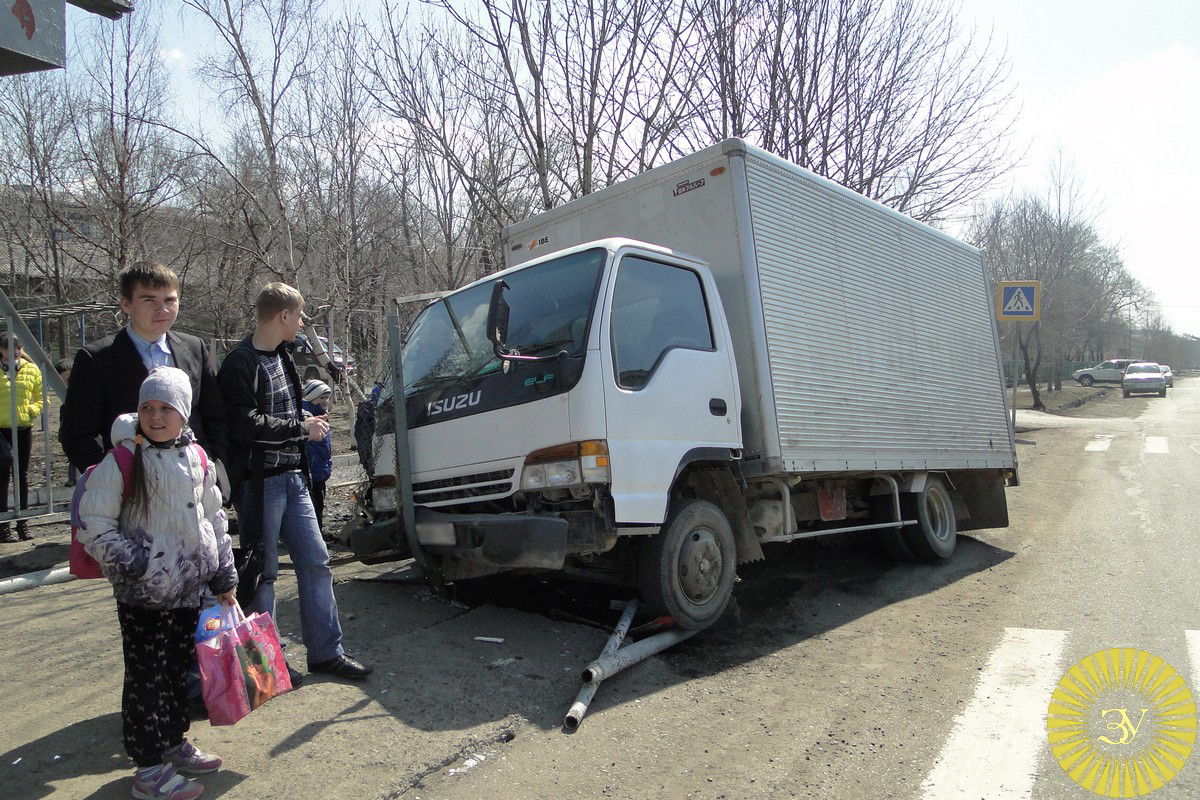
555	473
566	465
383	498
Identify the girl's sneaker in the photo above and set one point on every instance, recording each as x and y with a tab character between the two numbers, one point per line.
165	784
187	758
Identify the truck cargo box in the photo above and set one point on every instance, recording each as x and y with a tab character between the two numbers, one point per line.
865	341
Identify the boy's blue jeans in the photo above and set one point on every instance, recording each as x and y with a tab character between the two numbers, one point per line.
288	514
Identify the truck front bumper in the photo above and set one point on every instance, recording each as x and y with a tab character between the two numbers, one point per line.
510	541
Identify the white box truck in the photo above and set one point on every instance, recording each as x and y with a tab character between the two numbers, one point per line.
724	351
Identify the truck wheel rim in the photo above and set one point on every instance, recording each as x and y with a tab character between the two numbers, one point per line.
700	565
937	512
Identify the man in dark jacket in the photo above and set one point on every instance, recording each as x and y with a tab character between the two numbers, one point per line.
269	471
107	374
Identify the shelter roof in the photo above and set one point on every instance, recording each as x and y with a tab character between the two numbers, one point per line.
65	310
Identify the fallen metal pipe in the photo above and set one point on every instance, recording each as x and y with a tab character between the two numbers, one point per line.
31	580
608	665
584	698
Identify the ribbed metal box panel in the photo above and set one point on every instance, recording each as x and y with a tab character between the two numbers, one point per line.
864	340
879	333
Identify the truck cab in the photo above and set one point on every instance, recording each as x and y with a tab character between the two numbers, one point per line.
616	376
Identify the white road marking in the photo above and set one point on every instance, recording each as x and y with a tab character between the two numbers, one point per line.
1157	444
1193	647
993	749
1099	444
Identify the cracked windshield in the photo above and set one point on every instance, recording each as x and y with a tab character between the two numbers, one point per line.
549	306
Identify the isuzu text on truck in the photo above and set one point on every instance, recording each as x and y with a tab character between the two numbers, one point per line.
722	352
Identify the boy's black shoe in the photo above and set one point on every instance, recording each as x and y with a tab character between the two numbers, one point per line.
343	667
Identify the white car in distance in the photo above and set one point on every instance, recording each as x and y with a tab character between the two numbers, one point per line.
1142	377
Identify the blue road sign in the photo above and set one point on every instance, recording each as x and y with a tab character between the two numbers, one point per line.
1018	300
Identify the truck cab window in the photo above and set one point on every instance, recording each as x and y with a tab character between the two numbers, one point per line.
655	308
550	305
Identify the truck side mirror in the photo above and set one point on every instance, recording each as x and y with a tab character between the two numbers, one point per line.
497	319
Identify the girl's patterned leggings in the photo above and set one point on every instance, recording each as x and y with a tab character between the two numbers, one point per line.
158	645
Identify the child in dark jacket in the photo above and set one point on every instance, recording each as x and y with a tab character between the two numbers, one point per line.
320	453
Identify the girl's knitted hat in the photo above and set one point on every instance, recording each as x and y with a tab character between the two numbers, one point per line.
168	385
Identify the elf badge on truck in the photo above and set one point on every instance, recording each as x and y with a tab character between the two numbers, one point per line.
724	351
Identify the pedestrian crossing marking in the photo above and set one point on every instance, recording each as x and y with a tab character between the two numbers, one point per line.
1193	647
995	745
1157	444
993	749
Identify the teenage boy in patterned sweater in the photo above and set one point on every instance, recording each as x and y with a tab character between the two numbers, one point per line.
269	472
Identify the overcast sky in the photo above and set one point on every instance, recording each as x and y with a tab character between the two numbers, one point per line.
1114	85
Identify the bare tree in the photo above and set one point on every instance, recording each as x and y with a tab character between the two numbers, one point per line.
590	91
346	209
128	164
267	49
449	154
34	134
217	252
893	99
1086	290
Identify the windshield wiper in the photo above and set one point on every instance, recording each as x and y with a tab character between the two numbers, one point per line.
445	380
479	369
430	382
542	347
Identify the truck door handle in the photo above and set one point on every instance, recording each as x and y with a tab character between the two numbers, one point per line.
717	407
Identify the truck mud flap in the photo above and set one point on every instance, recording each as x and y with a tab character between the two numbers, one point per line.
985	500
510	541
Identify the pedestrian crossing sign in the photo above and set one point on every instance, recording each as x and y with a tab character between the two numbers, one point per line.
1018	300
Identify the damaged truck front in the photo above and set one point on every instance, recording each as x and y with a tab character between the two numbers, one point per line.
745	368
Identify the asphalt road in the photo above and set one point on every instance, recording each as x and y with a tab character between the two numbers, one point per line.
839	675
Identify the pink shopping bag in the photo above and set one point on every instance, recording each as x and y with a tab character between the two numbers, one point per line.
241	667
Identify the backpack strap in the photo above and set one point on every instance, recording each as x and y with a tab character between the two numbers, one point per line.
203	458
124	460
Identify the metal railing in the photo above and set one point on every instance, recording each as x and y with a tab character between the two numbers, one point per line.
48	499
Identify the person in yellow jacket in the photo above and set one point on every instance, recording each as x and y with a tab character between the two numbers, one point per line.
29	407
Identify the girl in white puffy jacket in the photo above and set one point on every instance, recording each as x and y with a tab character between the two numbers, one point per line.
161	539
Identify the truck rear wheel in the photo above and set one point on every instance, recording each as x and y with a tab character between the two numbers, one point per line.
687	570
936	533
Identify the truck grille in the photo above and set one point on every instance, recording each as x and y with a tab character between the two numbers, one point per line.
463	487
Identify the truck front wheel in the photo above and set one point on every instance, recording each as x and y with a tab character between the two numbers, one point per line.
687	570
